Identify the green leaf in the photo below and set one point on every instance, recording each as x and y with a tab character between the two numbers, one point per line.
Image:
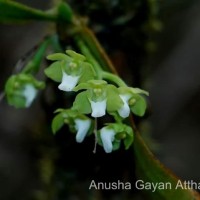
82	104
11	11
54	71
150	169
139	107
57	123
114	101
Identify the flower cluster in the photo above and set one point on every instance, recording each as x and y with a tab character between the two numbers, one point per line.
96	97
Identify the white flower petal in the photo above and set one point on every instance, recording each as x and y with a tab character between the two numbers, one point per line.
82	127
124	111
68	82
29	93
98	108
107	137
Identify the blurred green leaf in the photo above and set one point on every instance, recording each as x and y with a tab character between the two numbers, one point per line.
149	169
13	12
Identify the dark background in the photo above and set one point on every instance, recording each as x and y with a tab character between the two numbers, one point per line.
172	77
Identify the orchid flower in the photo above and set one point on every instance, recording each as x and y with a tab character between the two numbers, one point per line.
69	70
132	101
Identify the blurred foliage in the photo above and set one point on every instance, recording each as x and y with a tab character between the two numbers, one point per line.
126	29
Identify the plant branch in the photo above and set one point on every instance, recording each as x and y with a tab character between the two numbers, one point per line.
113	78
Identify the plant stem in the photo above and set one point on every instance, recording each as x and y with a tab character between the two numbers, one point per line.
95	47
33	65
113	78
89	56
95	134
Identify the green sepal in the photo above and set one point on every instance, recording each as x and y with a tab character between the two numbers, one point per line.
91	84
128	140
10	84
57	123
139	91
88	73
16	81
54	71
82	104
82	86
116	145
139	107
16	100
76	56
58	56
130	90
114	101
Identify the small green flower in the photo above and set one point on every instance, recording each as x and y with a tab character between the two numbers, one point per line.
22	89
98	97
69	69
77	123
132	100
112	134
